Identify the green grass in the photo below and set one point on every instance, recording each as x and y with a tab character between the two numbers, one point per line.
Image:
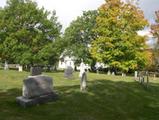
106	98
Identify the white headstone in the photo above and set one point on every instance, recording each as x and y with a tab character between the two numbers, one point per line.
109	73
83	82
113	73
6	66
83	76
123	74
20	68
97	66
135	75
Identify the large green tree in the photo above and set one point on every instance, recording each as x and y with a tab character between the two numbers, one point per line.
79	35
118	44
28	34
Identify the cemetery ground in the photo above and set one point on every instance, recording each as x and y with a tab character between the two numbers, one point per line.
106	98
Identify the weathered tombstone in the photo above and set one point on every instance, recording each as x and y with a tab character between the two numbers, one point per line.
144	78
136	75
109	73
141	77
97	66
83	77
113	73
154	76
68	73
6	67
20	68
123	74
36	70
83	81
37	89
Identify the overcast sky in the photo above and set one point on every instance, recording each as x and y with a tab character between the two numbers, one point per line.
67	10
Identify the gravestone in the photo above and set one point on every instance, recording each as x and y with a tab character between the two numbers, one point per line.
37	89
113	73
20	68
123	74
37	86
68	72
83	76
6	67
36	70
144	78
83	81
109	73
136	75
97	66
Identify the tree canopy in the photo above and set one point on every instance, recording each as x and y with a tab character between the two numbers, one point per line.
155	27
79	35
118	44
155	32
29	35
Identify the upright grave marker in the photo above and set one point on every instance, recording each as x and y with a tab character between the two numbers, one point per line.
83	76
37	89
68	73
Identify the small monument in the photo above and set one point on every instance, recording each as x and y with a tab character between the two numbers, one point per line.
37	89
97	66
108	73
68	72
6	67
36	71
136	75
83	76
20	68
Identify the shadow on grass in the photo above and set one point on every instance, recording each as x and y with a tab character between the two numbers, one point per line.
103	100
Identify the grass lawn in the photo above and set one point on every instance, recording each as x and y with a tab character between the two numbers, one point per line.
106	98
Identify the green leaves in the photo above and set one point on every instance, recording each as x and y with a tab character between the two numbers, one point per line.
27	32
79	35
117	43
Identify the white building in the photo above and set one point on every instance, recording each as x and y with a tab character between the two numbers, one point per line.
66	61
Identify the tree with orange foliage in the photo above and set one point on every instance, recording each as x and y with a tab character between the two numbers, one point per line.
118	44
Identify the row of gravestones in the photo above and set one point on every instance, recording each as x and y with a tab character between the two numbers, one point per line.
7	66
142	77
37	88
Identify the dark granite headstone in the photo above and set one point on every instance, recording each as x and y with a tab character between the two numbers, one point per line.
36	70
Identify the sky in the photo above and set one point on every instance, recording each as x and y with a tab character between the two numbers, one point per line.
68	10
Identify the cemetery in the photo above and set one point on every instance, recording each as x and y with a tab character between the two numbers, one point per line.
106	96
103	66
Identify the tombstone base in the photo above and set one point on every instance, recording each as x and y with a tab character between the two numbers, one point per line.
25	102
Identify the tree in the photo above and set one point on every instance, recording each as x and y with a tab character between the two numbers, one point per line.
118	44
29	35
79	35
155	32
155	27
